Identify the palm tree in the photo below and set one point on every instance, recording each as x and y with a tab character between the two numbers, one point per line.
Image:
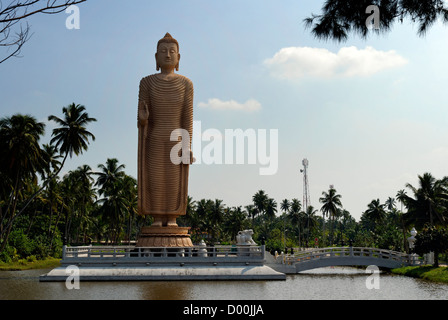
375	212
401	195
20	159
50	157
216	217
110	173
84	194
331	203
295	206
271	208
430	201
235	221
72	137
390	203
251	212
113	210
196	219
200	222
311	220
294	214
129	190
285	205
260	200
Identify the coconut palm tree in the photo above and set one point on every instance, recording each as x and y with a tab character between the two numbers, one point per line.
311	221
20	159
85	196
71	137
375	212
331	204
251	211
260	200
235	221
110	173
401	195
390	203
294	214
129	189
271	208
430	201
285	205
215	218
51	163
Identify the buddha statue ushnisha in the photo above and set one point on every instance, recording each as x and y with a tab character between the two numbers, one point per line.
165	106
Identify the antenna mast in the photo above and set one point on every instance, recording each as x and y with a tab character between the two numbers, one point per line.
306	190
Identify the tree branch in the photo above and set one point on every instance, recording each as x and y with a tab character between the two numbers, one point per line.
18	10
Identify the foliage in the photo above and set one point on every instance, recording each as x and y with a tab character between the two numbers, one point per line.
432	239
340	17
85	206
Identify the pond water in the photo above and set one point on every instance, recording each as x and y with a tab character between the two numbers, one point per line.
318	284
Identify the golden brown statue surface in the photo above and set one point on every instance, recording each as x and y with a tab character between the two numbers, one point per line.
165	105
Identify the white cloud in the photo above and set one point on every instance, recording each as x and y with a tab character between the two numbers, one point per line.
299	62
217	104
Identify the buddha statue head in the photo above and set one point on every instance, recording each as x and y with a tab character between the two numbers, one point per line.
167	55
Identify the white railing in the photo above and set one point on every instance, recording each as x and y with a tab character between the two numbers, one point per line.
344	252
125	252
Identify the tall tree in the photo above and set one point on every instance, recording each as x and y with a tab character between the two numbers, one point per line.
331	204
390	203
109	174
430	201
311	221
400	196
260	200
215	218
71	138
235	221
285	205
375	212
271	208
20	159
340	17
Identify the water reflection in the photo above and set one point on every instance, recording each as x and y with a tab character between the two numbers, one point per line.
176	290
323	283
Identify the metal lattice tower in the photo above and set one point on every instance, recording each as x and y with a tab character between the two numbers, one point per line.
306	190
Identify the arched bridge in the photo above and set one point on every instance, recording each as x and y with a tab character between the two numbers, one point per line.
344	256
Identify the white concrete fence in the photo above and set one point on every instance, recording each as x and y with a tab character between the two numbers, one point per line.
131	255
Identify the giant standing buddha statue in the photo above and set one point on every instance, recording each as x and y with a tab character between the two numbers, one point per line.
165	111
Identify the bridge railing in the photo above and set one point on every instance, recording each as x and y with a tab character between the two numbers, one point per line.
125	254
340	252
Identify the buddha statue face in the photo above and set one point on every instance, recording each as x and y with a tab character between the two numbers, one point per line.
167	56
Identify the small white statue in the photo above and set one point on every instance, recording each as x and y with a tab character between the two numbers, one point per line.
412	238
245	237
202	252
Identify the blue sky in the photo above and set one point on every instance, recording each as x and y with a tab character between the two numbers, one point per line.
369	115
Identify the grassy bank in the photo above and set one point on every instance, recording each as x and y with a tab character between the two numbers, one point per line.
428	272
24	264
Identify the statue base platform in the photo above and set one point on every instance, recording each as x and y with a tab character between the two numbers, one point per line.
169	236
108	263
166	273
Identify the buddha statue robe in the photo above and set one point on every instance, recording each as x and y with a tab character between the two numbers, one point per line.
163	185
